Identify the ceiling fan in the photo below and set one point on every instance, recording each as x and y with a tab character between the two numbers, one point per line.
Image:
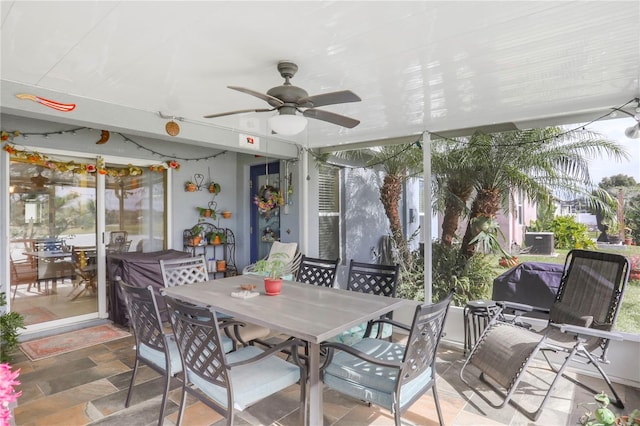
288	99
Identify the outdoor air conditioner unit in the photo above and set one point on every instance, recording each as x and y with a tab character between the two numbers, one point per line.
539	242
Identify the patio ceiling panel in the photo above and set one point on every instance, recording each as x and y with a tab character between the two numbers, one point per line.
440	66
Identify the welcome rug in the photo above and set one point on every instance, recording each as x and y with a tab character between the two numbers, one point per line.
67	342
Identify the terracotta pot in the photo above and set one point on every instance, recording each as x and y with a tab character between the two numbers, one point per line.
272	286
221	265
226	214
207	213
216	240
191	187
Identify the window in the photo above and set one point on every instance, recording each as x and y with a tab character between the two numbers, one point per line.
329	212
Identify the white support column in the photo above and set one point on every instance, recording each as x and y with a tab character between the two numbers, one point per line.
304	204
428	255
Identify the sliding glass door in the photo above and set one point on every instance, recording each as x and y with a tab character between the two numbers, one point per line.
51	214
67	216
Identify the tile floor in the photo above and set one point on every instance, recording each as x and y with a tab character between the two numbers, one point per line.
89	386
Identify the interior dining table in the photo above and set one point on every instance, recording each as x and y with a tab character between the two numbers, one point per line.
311	313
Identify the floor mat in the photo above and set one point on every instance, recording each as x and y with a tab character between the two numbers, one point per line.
36	315
68	342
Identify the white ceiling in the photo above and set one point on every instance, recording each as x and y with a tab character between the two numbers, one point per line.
436	66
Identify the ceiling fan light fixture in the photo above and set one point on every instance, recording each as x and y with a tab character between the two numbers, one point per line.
633	132
287	124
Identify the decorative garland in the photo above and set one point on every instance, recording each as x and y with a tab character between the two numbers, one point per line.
99	167
267	199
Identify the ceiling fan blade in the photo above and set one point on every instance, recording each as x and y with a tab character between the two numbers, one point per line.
331	117
240	111
340	97
267	98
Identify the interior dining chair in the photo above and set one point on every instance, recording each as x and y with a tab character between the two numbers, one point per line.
317	271
391	375
22	272
84	263
176	272
579	328
228	382
376	279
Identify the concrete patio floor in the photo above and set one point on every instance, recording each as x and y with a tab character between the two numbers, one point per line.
89	386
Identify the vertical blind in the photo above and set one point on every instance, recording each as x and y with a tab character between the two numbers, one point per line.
329	211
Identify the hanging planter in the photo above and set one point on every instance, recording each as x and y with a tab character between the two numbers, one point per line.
214	188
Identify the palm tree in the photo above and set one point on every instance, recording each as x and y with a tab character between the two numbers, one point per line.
540	162
399	163
452	183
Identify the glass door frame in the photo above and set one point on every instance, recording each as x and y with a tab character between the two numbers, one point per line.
102	311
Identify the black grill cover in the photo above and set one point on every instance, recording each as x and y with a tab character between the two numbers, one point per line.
531	283
137	269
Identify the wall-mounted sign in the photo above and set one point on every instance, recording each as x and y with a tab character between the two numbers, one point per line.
248	141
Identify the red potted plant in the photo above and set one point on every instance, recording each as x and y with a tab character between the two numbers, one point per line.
272	270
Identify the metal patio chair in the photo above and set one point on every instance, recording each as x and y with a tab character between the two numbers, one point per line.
154	347
228	382
376	279
391	375
579	326
176	272
316	271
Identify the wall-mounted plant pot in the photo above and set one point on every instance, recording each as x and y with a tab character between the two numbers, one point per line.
226	214
190	187
214	188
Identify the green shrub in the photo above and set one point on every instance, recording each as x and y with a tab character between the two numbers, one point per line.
9	324
411	279
472	278
569	234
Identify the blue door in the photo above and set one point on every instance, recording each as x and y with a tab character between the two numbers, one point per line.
265	217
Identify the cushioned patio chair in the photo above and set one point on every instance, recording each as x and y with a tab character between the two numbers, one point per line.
154	346
176	272
228	382
579	326
316	271
391	375
374	279
292	258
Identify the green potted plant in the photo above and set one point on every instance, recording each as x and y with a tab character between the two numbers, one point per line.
214	188
272	270
207	212
603	416
10	322
217	237
196	230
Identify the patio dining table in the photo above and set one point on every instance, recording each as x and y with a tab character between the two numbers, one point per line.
310	313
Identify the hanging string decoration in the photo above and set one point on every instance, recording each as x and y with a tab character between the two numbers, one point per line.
34	157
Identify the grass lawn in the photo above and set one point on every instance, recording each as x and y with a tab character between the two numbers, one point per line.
629	317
